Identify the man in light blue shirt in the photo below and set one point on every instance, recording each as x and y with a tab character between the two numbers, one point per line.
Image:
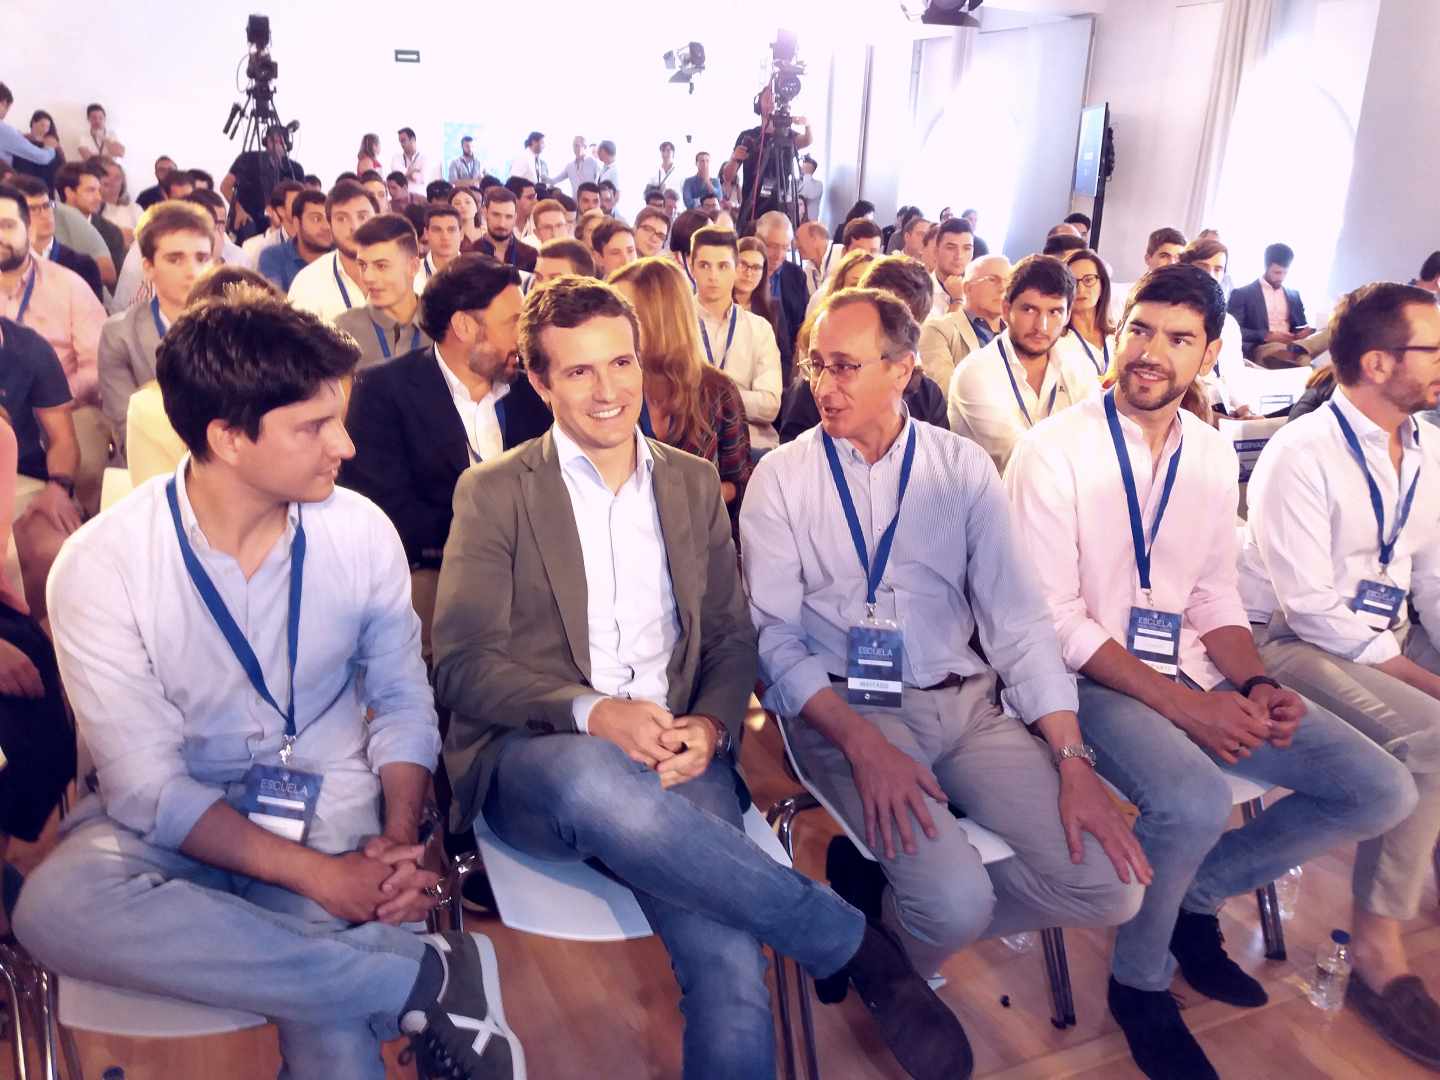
12	143
953	568
231	873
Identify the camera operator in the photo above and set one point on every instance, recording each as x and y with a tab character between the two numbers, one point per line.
251	178
748	147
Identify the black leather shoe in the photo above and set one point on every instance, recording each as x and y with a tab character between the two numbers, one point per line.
860	883
1160	1043
1404	1014
1200	948
920	1030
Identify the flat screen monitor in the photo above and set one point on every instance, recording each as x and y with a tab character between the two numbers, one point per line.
1088	155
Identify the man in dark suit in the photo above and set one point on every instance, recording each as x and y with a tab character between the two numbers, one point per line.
422	419
789	290
593	643
1272	317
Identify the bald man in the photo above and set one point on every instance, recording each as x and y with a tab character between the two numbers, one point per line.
947	340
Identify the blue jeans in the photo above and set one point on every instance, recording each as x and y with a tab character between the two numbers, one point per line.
708	891
1345	788
109	907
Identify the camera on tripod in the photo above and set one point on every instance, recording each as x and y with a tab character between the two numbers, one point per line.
785	72
258	110
261	68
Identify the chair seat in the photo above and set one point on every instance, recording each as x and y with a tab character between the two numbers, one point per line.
572	901
88	1006
1243	790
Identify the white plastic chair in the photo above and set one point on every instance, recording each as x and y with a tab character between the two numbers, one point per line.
991	848
114	485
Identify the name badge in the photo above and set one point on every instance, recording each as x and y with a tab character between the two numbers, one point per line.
281	800
873	664
1154	638
1377	604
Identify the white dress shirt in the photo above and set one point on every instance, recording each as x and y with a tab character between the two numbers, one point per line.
400	163
167	711
316	290
954	566
530	167
981	403
1311	535
940	299
1070	509
252	247
630	600
483	433
753	364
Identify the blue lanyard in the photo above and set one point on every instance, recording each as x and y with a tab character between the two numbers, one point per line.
384	338
155	313
234	637
29	289
1105	343
344	292
1015	388
1132	499
875	571
685	265
429	268
729	338
1387	547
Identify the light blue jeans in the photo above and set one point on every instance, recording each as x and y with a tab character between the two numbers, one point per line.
109	907
710	894
1345	788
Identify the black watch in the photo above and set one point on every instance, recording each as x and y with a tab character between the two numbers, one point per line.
1258	680
66	482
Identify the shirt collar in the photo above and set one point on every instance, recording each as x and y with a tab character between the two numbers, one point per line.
574	460
187	512
1133	432
458	389
1366	430
388	322
847	448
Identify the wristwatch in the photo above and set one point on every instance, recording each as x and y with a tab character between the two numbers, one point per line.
1258	680
1076	750
67	483
722	736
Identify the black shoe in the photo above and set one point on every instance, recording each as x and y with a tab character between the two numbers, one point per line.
860	883
921	1031
463	1035
475	893
1404	1014
1159	1041
1199	947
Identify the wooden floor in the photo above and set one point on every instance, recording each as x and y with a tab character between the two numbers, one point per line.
609	1010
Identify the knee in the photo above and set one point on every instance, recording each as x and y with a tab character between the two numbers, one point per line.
952	913
1389	799
56	904
1195	804
1115	902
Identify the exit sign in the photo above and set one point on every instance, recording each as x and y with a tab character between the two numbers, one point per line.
407	56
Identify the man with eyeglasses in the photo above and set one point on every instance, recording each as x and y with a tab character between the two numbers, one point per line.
652	230
1342	544
945	341
887	544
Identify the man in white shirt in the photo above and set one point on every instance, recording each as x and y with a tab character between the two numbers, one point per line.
171	617
592	640
529	165
412	163
883	544
388	254
1341	544
664	177
444	234
99	140
1162	248
1173	694
949	339
954	249
1021	378
608	173
582	169
738	342
331	284
817	256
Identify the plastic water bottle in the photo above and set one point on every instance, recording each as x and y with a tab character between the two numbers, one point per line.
1287	891
1022	942
1332	974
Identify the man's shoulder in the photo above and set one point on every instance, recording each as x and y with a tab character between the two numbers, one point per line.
22	340
353	322
116	328
312	273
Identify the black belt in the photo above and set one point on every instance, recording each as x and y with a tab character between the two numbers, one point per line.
950	681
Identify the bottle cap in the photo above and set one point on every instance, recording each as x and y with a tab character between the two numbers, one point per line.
1340	937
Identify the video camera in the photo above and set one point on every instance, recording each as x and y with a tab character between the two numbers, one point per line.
785	72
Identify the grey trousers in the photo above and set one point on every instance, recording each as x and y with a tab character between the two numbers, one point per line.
1390	870
942	898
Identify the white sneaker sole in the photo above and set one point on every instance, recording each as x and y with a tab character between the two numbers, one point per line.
490	979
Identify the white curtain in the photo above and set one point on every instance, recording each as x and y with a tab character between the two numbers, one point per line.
1245	36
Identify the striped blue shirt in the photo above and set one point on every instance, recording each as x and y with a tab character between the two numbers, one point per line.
955	565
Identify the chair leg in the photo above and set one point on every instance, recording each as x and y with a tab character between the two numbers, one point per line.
12	972
1057	973
782	1006
1272	929
47	1006
807	1024
782	818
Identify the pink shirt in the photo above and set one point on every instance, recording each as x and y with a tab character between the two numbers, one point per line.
1276	306
1069	506
63	311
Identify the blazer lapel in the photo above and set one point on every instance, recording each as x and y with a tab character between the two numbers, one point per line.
146	336
437	407
686	579
552	523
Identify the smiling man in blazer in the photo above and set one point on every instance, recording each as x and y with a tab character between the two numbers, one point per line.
593	642
422	419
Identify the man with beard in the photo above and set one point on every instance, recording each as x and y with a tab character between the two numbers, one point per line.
499	241
330	286
954	248
281	262
1020	378
389	325
1342	506
422	419
1174	696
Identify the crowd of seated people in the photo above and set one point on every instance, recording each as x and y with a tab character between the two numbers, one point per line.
469	483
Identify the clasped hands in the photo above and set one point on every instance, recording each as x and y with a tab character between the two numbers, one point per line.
1231	726
383	881
679	748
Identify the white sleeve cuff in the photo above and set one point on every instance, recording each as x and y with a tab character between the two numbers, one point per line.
580	709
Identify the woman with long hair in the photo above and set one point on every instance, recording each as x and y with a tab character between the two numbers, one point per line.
847	275
688	403
1090	329
368	159
467	201
749	273
864	208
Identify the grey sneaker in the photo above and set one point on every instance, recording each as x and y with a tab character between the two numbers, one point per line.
463	1036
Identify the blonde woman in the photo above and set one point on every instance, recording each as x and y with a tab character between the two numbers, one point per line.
688	404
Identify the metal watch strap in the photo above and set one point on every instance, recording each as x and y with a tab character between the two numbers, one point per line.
1076	750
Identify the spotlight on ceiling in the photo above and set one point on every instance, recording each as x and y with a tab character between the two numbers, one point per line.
942	12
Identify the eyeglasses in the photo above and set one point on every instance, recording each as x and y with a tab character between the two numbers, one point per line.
987	279
751	268
1415	348
41	207
1089	281
843	372
654	234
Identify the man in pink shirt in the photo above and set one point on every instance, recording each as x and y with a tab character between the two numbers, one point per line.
1173	695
